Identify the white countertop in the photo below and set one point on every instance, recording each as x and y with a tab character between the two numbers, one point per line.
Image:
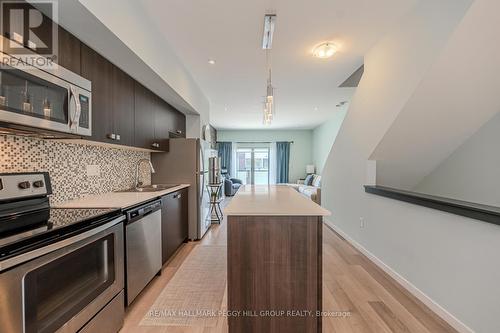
272	200
117	199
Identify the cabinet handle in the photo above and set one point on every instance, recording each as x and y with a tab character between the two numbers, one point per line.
155	145
177	196
111	136
118	137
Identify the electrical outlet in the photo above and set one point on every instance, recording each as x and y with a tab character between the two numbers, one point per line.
361	222
93	170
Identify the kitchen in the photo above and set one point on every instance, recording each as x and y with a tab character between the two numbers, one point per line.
86	219
112	217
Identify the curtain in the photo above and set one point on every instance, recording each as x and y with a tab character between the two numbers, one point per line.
225	151
283	161
272	163
234	160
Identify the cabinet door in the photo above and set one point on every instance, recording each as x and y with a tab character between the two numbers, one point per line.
144	117
184	214
100	71
168	120
69	51
180	124
163	123
175	120
174	222
123	107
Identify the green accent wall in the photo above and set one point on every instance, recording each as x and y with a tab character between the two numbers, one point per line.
300	150
309	147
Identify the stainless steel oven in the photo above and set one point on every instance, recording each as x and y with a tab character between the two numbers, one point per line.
53	99
61	287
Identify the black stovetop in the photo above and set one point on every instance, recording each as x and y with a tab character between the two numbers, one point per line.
55	224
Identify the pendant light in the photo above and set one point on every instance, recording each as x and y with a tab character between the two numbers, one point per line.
267	42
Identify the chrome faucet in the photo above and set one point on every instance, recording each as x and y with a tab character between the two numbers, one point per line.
137	183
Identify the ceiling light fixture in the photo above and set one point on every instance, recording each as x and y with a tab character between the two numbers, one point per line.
267	44
211	61
325	50
269	102
267	38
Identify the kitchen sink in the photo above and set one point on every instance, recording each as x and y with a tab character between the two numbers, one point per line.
150	188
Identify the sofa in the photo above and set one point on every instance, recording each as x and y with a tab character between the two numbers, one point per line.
231	186
311	189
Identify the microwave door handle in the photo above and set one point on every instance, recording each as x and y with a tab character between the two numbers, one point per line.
75	118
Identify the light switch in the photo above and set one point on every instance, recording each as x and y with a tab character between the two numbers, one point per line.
93	170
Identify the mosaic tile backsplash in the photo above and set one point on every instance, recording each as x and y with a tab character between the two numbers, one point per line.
67	165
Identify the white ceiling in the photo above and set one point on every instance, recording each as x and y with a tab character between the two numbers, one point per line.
230	31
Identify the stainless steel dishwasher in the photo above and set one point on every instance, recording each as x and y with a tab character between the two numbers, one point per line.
143	247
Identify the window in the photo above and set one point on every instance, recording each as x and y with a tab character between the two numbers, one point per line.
253	165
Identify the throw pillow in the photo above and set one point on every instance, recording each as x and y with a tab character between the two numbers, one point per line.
309	179
317	181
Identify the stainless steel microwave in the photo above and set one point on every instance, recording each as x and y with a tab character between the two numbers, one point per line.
54	99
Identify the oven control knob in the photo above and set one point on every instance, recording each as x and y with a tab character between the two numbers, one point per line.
38	183
24	185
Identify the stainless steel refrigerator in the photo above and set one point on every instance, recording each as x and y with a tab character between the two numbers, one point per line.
187	162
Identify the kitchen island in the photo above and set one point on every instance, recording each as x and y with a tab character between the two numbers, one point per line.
274	244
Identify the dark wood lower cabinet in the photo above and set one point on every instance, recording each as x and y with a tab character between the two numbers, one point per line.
274	274
174	222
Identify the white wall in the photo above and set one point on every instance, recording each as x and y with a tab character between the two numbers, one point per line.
472	172
449	258
324	136
300	150
457	95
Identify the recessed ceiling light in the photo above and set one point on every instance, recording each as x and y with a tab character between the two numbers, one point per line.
325	50
211	61
315	108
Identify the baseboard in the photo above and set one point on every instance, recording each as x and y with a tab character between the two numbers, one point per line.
412	289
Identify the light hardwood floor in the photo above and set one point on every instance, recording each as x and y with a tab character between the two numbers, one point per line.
372	300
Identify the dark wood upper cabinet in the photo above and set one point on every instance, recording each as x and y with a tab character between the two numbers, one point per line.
112	99
123	111
154	120
69	51
176	120
144	117
180	123
100	71
168	120
123	107
163	121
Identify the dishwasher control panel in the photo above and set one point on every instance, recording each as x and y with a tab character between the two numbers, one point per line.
138	212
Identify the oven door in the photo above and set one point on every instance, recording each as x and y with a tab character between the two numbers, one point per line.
64	289
32	97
